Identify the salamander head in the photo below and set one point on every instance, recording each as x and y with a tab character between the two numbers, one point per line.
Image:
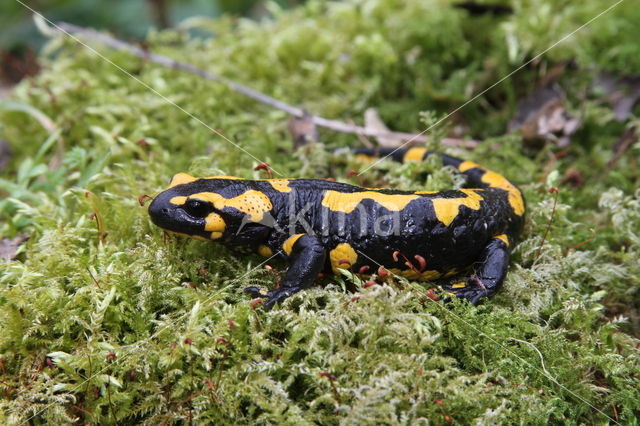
182	210
209	208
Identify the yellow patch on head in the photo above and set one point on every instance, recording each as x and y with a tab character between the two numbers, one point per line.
341	253
414	155
415	275
460	284
178	201
502	237
181	178
447	209
215	224
347	202
252	203
287	246
280	185
264	251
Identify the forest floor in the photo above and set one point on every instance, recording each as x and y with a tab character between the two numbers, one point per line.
105	320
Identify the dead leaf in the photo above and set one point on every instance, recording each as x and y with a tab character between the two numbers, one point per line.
9	246
374	123
623	93
542	117
17	63
303	130
556	71
573	177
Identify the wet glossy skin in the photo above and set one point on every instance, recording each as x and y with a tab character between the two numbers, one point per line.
318	225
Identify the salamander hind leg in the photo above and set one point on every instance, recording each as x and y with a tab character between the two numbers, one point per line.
488	276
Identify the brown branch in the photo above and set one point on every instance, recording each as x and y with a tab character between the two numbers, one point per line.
165	61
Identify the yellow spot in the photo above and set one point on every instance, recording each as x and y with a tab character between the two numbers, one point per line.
414	154
448	208
252	203
496	180
215	235
264	251
425	192
180	179
338	255
287	246
224	177
460	284
178	201
347	202
281	185
366	158
466	165
504	238
415	275
214	222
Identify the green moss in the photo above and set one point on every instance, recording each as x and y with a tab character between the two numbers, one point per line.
140	329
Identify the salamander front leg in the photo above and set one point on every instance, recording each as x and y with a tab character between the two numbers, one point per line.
489	276
307	258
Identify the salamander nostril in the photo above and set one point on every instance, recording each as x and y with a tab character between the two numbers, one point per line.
159	210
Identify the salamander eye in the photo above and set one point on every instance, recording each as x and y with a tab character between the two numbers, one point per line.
196	208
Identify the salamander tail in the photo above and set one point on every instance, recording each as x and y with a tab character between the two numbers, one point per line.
477	176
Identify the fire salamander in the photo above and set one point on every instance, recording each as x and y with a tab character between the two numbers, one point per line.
318	225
